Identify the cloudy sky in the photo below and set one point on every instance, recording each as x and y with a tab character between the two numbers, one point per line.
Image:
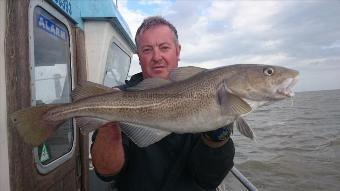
300	34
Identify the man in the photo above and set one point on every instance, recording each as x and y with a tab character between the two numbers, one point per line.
177	162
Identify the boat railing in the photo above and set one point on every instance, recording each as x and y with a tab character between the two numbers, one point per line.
243	180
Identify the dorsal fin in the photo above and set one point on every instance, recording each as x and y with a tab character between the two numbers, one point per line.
183	73
149	83
88	89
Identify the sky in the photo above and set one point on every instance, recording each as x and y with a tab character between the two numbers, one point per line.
298	34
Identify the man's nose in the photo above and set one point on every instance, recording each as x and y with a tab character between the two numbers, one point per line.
156	55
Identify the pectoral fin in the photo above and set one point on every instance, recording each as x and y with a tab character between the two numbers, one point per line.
141	135
230	103
244	128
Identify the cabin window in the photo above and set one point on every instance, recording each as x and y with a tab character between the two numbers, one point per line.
117	66
51	81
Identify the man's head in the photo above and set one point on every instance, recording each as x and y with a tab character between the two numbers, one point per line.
157	47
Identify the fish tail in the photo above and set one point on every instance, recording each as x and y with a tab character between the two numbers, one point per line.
31	125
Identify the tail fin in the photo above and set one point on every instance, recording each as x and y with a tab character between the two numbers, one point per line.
31	126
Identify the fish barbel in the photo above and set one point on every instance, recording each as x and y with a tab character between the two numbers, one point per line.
193	100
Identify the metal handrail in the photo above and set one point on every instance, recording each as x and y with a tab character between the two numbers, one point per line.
243	179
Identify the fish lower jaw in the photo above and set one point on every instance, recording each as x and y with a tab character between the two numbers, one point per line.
286	86
286	92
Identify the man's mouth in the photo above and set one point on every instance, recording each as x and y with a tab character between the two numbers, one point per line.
158	67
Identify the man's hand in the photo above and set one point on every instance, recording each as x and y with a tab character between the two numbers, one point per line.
218	137
107	150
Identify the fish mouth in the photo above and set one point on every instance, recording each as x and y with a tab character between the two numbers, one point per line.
285	89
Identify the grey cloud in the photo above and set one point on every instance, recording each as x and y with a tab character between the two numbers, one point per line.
306	27
301	29
304	35
185	12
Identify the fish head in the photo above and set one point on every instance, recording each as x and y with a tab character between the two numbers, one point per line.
262	82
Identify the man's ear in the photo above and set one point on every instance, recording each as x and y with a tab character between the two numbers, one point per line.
178	51
138	58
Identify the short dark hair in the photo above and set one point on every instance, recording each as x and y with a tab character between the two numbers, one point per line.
153	21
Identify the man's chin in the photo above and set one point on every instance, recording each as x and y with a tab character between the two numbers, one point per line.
160	74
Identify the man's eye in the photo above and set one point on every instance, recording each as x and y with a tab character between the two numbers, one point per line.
165	48
146	50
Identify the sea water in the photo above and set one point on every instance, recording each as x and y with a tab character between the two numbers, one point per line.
297	144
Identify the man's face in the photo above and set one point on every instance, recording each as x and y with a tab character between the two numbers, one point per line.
157	51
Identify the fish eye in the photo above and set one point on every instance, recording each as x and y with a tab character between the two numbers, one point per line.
268	71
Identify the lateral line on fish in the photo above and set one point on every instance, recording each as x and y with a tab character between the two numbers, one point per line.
111	107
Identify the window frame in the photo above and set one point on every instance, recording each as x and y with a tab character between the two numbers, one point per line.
116	43
44	169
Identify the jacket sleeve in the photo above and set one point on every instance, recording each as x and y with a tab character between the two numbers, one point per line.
209	166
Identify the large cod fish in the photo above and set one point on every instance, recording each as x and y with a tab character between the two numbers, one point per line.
193	100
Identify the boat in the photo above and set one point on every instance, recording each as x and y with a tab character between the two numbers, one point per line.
46	48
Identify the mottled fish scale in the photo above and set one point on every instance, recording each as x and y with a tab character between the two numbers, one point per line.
195	100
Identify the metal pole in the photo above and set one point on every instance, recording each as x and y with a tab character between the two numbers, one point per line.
243	179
